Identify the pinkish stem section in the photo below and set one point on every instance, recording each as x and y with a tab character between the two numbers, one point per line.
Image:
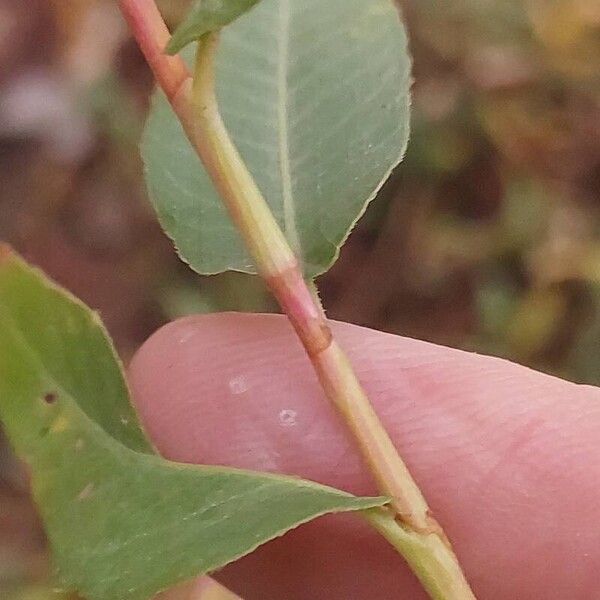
152	36
297	302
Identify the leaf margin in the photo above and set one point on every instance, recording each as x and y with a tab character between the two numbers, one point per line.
11	259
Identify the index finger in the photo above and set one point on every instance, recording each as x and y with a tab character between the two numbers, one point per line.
508	458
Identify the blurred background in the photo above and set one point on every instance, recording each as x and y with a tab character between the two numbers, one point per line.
486	238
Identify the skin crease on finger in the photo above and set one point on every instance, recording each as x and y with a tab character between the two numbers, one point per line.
509	459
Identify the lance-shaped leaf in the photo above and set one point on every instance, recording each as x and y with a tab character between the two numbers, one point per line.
206	16
123	523
315	95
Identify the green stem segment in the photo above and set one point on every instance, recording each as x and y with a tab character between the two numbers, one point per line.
279	267
429	556
409	526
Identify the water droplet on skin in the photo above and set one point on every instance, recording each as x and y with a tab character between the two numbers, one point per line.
287	417
238	385
186	337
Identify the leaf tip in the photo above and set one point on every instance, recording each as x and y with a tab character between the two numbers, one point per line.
174	46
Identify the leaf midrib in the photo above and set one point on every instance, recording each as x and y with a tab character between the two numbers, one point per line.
283	47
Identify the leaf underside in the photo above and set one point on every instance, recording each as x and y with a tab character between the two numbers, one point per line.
316	97
123	523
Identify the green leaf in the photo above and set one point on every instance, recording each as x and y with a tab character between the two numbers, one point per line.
123	523
316	97
207	16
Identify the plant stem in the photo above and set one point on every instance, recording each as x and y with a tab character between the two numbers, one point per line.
429	556
410	528
152	36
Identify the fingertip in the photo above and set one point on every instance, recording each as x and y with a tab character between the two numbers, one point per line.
237	390
507	457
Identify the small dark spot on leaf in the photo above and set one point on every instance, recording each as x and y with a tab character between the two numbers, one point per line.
50	398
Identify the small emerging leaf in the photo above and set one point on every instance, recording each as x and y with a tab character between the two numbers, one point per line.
207	16
123	523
